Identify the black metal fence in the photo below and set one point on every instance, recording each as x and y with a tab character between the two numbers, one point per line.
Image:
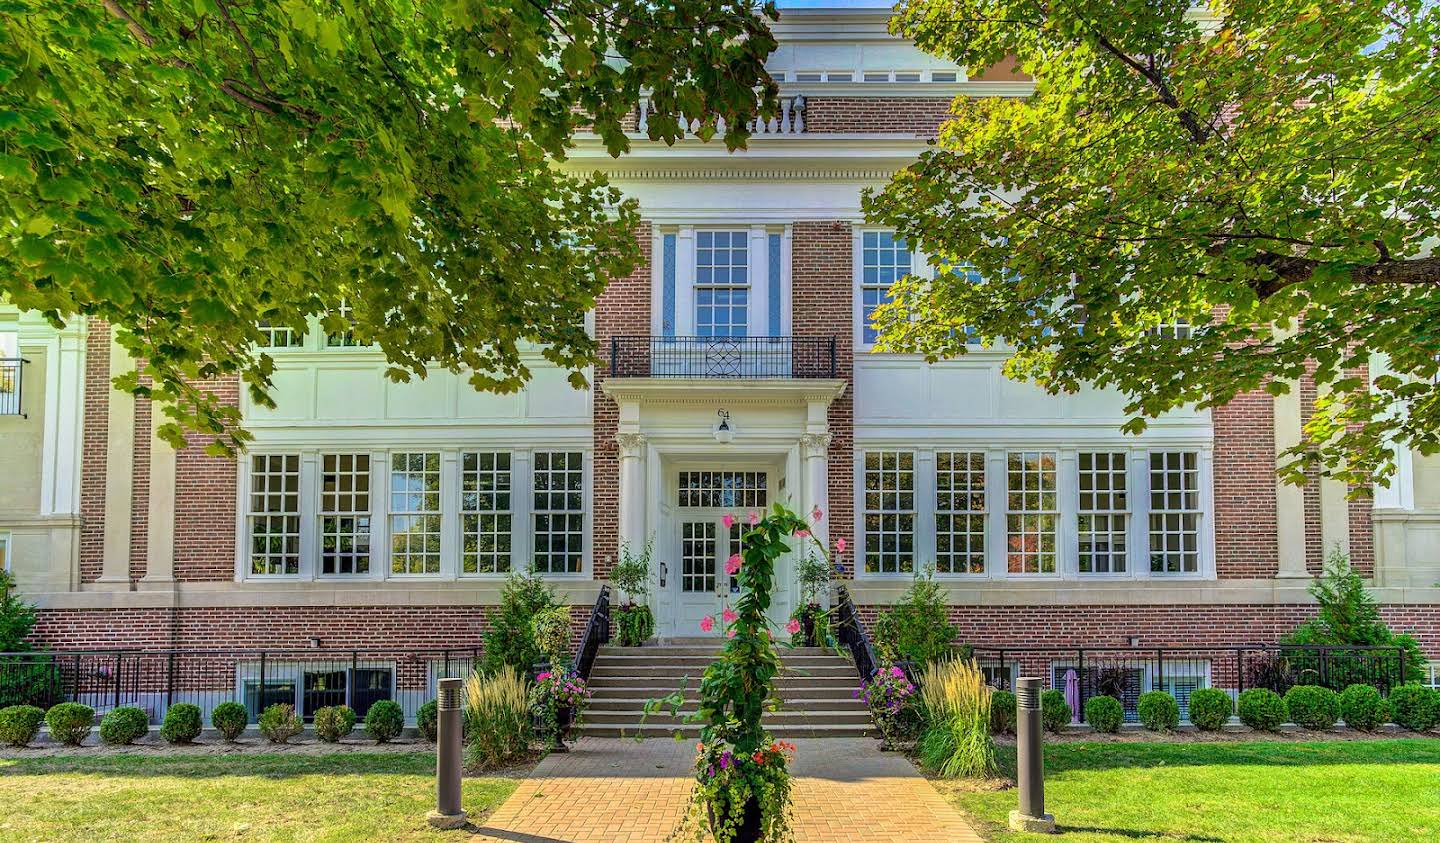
12	374
1127	672
722	357
154	680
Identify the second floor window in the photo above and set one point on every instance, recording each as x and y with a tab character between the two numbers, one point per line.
884	259
722	283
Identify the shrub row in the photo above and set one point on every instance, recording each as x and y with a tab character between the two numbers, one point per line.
71	723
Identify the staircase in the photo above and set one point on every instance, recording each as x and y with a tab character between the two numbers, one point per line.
816	686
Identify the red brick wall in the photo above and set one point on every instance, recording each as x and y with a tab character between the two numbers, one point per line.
907	115
822	296
1245	508
623	309
205	501
93	444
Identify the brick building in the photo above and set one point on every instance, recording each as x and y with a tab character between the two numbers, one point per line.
375	514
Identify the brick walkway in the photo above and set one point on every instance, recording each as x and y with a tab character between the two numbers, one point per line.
624	791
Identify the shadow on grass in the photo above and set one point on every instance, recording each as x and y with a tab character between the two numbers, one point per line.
1062	758
1136	834
268	765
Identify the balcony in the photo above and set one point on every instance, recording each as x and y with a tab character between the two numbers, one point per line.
723	358
789	120
11	372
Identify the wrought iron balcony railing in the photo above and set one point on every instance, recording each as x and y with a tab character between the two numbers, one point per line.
722	357
12	370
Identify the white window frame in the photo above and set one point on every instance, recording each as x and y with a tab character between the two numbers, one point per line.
5	552
758	301
984	513
392	513
513	491
322	513
585	511
917	469
1067	477
1199	512
1126	512
247	512
918	266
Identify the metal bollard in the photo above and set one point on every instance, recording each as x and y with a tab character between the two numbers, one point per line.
1030	761
448	813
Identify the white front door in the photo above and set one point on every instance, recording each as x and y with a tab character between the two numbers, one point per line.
704	545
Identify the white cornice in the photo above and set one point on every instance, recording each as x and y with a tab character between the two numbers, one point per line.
706	390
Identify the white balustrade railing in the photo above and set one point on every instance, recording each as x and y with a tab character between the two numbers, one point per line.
789	121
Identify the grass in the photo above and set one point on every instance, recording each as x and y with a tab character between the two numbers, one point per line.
1253	791
351	796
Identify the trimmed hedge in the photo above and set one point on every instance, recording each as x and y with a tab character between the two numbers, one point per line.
1055	713
384	721
1158	711
1313	707
428	721
1415	707
1002	713
334	722
19	724
279	723
1210	709
70	723
1362	708
1262	709
182	723
229	719
124	725
1104	713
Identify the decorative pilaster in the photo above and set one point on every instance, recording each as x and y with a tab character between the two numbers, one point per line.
815	451
632	447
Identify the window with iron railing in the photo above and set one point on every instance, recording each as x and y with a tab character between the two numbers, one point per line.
12	370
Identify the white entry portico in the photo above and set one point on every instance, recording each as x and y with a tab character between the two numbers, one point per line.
677	481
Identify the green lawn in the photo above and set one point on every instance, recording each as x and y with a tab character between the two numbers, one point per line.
1323	791
352	796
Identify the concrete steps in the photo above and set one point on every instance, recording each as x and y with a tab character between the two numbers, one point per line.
816	687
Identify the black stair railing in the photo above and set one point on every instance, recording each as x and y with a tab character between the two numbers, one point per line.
851	634
597	632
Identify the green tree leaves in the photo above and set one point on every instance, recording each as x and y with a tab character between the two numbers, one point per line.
186	170
1265	171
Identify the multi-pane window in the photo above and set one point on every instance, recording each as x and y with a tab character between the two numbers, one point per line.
723	489
1032	512
1104	512
722	283
697	556
485	512
345	514
889	512
343	339
415	513
1176	328
884	259
278	336
274	514
559	515
1174	512
960	512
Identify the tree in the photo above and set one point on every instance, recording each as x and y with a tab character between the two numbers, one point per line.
1192	205
186	170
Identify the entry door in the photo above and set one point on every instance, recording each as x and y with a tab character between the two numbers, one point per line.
702	574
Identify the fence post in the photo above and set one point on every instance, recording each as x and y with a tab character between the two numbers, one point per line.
1324	665
119	661
350	680
1239	672
75	680
260	692
1159	669
170	680
1078	716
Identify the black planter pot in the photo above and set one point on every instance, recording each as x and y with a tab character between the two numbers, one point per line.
749	829
809	627
564	719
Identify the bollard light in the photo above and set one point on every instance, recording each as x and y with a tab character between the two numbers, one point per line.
448	813
1030	761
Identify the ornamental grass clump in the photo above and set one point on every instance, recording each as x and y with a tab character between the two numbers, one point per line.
497	719
957	702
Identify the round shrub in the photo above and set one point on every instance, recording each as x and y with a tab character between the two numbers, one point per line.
334	722
384	721
1158	711
19	724
1262	709
1312	706
124	725
1210	709
69	722
1104	713
1055	713
1415	707
1002	713
182	723
279	723
229	719
1362	708
428	720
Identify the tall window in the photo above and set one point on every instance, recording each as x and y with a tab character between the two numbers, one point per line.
960	512
1032	512
1174	513
889	512
274	514
345	514
722	283
1104	512
884	259
485	512
415	513
559	511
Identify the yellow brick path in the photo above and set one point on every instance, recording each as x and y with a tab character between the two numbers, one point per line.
624	791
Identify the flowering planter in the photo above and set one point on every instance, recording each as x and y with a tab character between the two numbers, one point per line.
748	831
810	627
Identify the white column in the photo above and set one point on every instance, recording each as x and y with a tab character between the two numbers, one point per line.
160	538
632	491
1289	498
119	471
815	453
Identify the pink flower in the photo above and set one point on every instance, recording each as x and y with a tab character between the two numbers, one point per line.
752	518
840	545
729	615
542	676
732	565
728	520
793	626
803	533
730	633
707	623
816	514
